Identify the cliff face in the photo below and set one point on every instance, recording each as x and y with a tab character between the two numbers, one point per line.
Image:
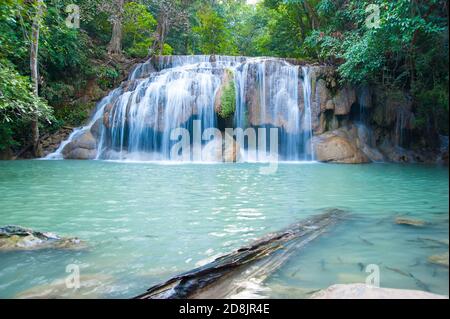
348	124
379	123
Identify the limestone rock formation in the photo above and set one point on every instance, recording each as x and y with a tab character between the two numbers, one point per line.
20	238
344	100
337	149
83	146
340	146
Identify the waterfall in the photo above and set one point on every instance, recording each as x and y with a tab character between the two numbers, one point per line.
171	92
98	113
307	121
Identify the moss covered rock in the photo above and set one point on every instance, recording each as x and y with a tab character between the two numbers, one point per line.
225	102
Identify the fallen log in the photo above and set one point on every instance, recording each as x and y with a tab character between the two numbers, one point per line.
224	276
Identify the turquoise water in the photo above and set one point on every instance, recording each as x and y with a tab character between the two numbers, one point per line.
145	222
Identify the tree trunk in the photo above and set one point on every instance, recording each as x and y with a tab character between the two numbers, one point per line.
115	44
34	73
160	35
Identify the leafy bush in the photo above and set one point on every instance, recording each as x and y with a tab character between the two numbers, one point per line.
73	115
107	77
228	100
138	27
17	100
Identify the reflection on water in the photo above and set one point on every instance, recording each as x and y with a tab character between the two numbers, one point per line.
147	222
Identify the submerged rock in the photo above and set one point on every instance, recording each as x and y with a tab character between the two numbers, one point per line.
441	260
20	238
224	276
91	286
410	222
362	291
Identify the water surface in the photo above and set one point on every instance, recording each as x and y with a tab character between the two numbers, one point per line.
145	222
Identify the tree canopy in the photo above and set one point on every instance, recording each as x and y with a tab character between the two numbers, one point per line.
399	44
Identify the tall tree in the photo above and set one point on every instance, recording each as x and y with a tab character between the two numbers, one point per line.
215	37
34	48
170	13
116	11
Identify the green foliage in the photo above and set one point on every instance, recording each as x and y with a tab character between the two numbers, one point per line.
18	104
167	49
7	136
17	101
138	28
107	77
408	52
228	99
74	115
213	34
432	109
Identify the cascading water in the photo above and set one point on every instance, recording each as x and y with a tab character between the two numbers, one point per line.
308	154
160	95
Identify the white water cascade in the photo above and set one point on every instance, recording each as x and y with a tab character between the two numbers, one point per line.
135	120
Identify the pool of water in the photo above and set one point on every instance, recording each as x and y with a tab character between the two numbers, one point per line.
144	222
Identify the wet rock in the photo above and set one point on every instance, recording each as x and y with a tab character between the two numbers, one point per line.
96	128
362	291
225	150
441	260
106	115
91	286
85	140
21	238
323	96
81	154
344	100
337	148
409	222
82	147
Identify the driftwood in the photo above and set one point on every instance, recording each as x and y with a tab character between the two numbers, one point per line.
224	277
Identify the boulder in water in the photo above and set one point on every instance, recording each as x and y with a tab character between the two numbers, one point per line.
83	147
441	260
19	238
332	148
218	150
91	286
409	222
362	291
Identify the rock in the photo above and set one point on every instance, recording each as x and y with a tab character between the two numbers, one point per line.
410	222
81	154
344	100
363	291
85	140
20	238
96	128
441	259
91	286
82	147
220	151
323	96
332	148
106	115
232	150
372	153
